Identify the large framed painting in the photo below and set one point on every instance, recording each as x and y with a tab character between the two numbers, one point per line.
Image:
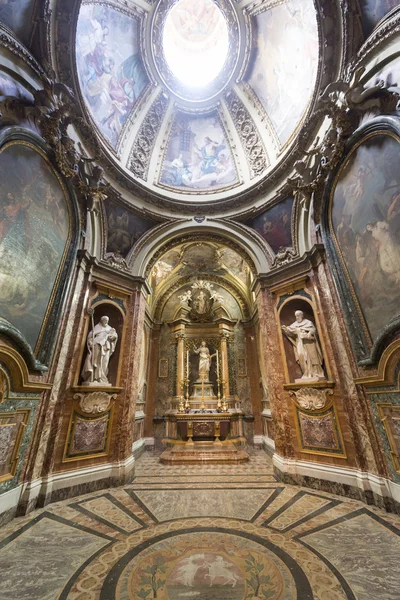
364	225
35	238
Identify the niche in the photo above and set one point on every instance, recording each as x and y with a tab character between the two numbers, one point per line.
116	320
294	372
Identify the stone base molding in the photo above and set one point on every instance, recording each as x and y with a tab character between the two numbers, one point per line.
368	487
138	447
59	486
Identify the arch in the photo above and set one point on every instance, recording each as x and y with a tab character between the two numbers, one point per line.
158	241
387	368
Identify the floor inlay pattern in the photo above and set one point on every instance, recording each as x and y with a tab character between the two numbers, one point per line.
202	533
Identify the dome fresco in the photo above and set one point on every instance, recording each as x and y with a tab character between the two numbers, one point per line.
196	98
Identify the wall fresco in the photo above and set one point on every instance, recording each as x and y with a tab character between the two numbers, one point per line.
10	87
18	16
274	224
124	228
372	11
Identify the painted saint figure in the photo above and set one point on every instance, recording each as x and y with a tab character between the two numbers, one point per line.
209	153
101	344
303	335
204	362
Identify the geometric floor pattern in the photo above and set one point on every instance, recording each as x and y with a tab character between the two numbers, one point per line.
202	533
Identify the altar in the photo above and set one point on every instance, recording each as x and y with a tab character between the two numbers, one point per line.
209	436
204	421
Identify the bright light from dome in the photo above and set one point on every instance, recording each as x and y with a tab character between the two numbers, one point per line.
195	41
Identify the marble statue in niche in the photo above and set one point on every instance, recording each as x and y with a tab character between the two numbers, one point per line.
101	342
303	335
204	361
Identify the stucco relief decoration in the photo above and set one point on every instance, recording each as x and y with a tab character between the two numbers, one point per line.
345	103
253	145
312	398
95	402
145	139
201	298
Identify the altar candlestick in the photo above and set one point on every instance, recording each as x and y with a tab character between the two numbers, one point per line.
187	364
217	365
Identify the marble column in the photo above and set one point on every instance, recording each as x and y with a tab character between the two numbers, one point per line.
152	382
130	372
180	379
224	336
274	370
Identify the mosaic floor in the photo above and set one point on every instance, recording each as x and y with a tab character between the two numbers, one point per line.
202	533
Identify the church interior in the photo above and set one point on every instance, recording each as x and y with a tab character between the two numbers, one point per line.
199	299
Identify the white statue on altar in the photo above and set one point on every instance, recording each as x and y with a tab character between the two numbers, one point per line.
204	361
303	335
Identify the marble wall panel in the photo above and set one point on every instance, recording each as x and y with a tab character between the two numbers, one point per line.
319	432
11	431
88	436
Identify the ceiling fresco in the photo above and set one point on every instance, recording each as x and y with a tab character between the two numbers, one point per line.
18	16
284	63
124	228
372	11
193	134
198	154
197	259
109	66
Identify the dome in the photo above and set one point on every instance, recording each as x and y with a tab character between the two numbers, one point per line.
197	100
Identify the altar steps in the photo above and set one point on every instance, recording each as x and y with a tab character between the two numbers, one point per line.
204	453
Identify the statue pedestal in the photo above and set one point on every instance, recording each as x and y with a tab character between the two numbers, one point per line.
309	379
203	392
